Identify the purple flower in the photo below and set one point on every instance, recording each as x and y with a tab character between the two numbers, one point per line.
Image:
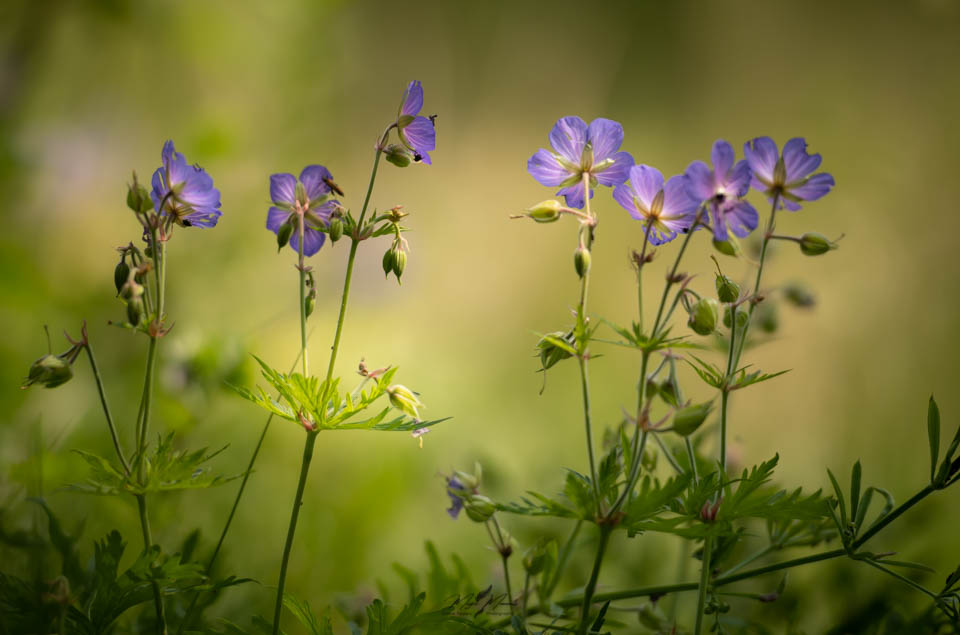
184	192
665	209
723	189
309	196
456	502
416	132
787	177
579	149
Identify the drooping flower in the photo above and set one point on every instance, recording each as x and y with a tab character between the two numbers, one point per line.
309	195
417	133
184	192
580	149
787	176
456	501
722	189
665	209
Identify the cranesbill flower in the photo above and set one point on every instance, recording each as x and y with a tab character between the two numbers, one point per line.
416	132
722	190
308	196
787	177
664	208
579	149
456	502
184	192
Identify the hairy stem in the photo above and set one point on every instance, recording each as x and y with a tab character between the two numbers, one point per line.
704	583
586	239
106	408
562	560
605	531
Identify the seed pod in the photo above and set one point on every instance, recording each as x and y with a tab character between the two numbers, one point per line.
388	262
399	261
813	244
284	234
50	371
726	247
335	229
686	420
799	295
703	316
765	315
135	310
138	199
545	211
397	155
479	508
742	317
727	290
581	260
121	274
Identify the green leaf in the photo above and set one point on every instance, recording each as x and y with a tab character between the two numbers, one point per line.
304	614
578	491
933	433
840	502
855	489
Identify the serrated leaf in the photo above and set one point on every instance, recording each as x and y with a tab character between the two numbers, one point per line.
304	614
933	434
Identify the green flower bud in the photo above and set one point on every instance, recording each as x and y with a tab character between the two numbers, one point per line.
545	211
121	274
813	244
727	247
686	420
50	371
703	316
284	234
397	155
652	388
765	316
742	317
535	558
799	295
335	229
668	392
138	199
727	290
550	353
135	310
479	508
404	400
388	262
581	260
399	261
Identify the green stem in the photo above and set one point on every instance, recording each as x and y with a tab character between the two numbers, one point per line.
673	273
501	546
526	592
704	582
724	398
903	579
291	530
147	542
749	559
106	408
587	230
562	560
668	454
605	531
301	267
693	459
892	516
343	312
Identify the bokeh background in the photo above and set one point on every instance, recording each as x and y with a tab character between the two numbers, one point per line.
89	91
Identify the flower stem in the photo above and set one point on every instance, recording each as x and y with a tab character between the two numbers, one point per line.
586	238
291	530
303	299
704	582
147	542
505	552
892	516
673	273
605	531
562	562
106	407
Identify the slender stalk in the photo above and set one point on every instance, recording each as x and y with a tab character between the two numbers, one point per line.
751	558
892	516
725	391
693	459
605	531
673	272
903	579
505	551
668	454
526	592
303	298
562	560
106	407
148	541
704	582
291	530
587	230
343	311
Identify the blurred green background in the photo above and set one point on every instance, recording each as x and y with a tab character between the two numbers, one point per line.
90	90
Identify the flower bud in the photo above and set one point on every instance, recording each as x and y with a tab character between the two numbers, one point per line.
742	317
388	262
479	508
404	400
727	290
799	295
535	558
652	388
703	316
135	310
138	199
545	211
813	244
686	420
121	274
284	234
581	260
726	247
765	316
399	261
335	229
668	391
397	155
50	371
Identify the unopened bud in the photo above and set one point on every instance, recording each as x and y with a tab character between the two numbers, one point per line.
404	400
765	316
121	274
535	558
399	261
138	199
708	513
50	371
284	234
335	229
668	392
545	211
727	290
813	244
703	316
799	295
397	155
479	508
726	247
687	420
388	262
550	352
581	260
742	317
135	310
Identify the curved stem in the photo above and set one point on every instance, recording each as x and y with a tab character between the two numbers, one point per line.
343	312
106	408
291	530
586	230
704	582
605	531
